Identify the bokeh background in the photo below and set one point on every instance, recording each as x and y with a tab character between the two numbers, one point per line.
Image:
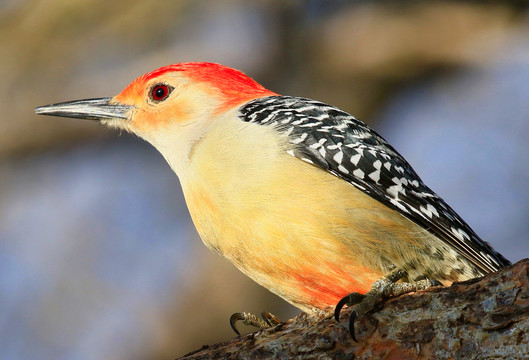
98	256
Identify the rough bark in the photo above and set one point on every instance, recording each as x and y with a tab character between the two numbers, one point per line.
485	318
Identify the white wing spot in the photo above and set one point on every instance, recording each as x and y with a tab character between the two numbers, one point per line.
359	173
341	127
432	209
426	211
398	204
396	180
299	139
343	169
310	124
393	191
375	176
338	157
335	146
355	159
461	235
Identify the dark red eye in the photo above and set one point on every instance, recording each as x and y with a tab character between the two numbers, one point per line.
160	92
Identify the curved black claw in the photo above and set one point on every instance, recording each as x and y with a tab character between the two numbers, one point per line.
233	321
349	300
352	319
339	306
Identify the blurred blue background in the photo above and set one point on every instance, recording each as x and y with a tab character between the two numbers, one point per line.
98	256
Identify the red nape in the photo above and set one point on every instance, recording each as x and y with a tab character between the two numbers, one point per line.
224	78
232	86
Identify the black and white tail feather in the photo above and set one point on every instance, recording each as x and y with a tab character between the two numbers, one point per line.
337	142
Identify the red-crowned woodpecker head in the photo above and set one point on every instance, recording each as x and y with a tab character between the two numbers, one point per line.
174	95
185	93
170	107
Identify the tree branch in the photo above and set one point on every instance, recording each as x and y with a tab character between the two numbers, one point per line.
481	318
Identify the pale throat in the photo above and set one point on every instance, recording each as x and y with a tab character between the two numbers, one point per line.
177	142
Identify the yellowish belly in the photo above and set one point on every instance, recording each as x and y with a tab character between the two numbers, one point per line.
297	230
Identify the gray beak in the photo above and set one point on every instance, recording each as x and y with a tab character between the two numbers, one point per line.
91	109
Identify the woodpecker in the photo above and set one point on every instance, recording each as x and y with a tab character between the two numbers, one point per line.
301	196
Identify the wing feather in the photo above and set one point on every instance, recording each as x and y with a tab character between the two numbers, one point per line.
339	143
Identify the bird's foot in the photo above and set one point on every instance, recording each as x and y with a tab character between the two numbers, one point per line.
252	320
380	290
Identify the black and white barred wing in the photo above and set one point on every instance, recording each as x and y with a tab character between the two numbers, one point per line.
339	143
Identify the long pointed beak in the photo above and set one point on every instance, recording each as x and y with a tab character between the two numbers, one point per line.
91	109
